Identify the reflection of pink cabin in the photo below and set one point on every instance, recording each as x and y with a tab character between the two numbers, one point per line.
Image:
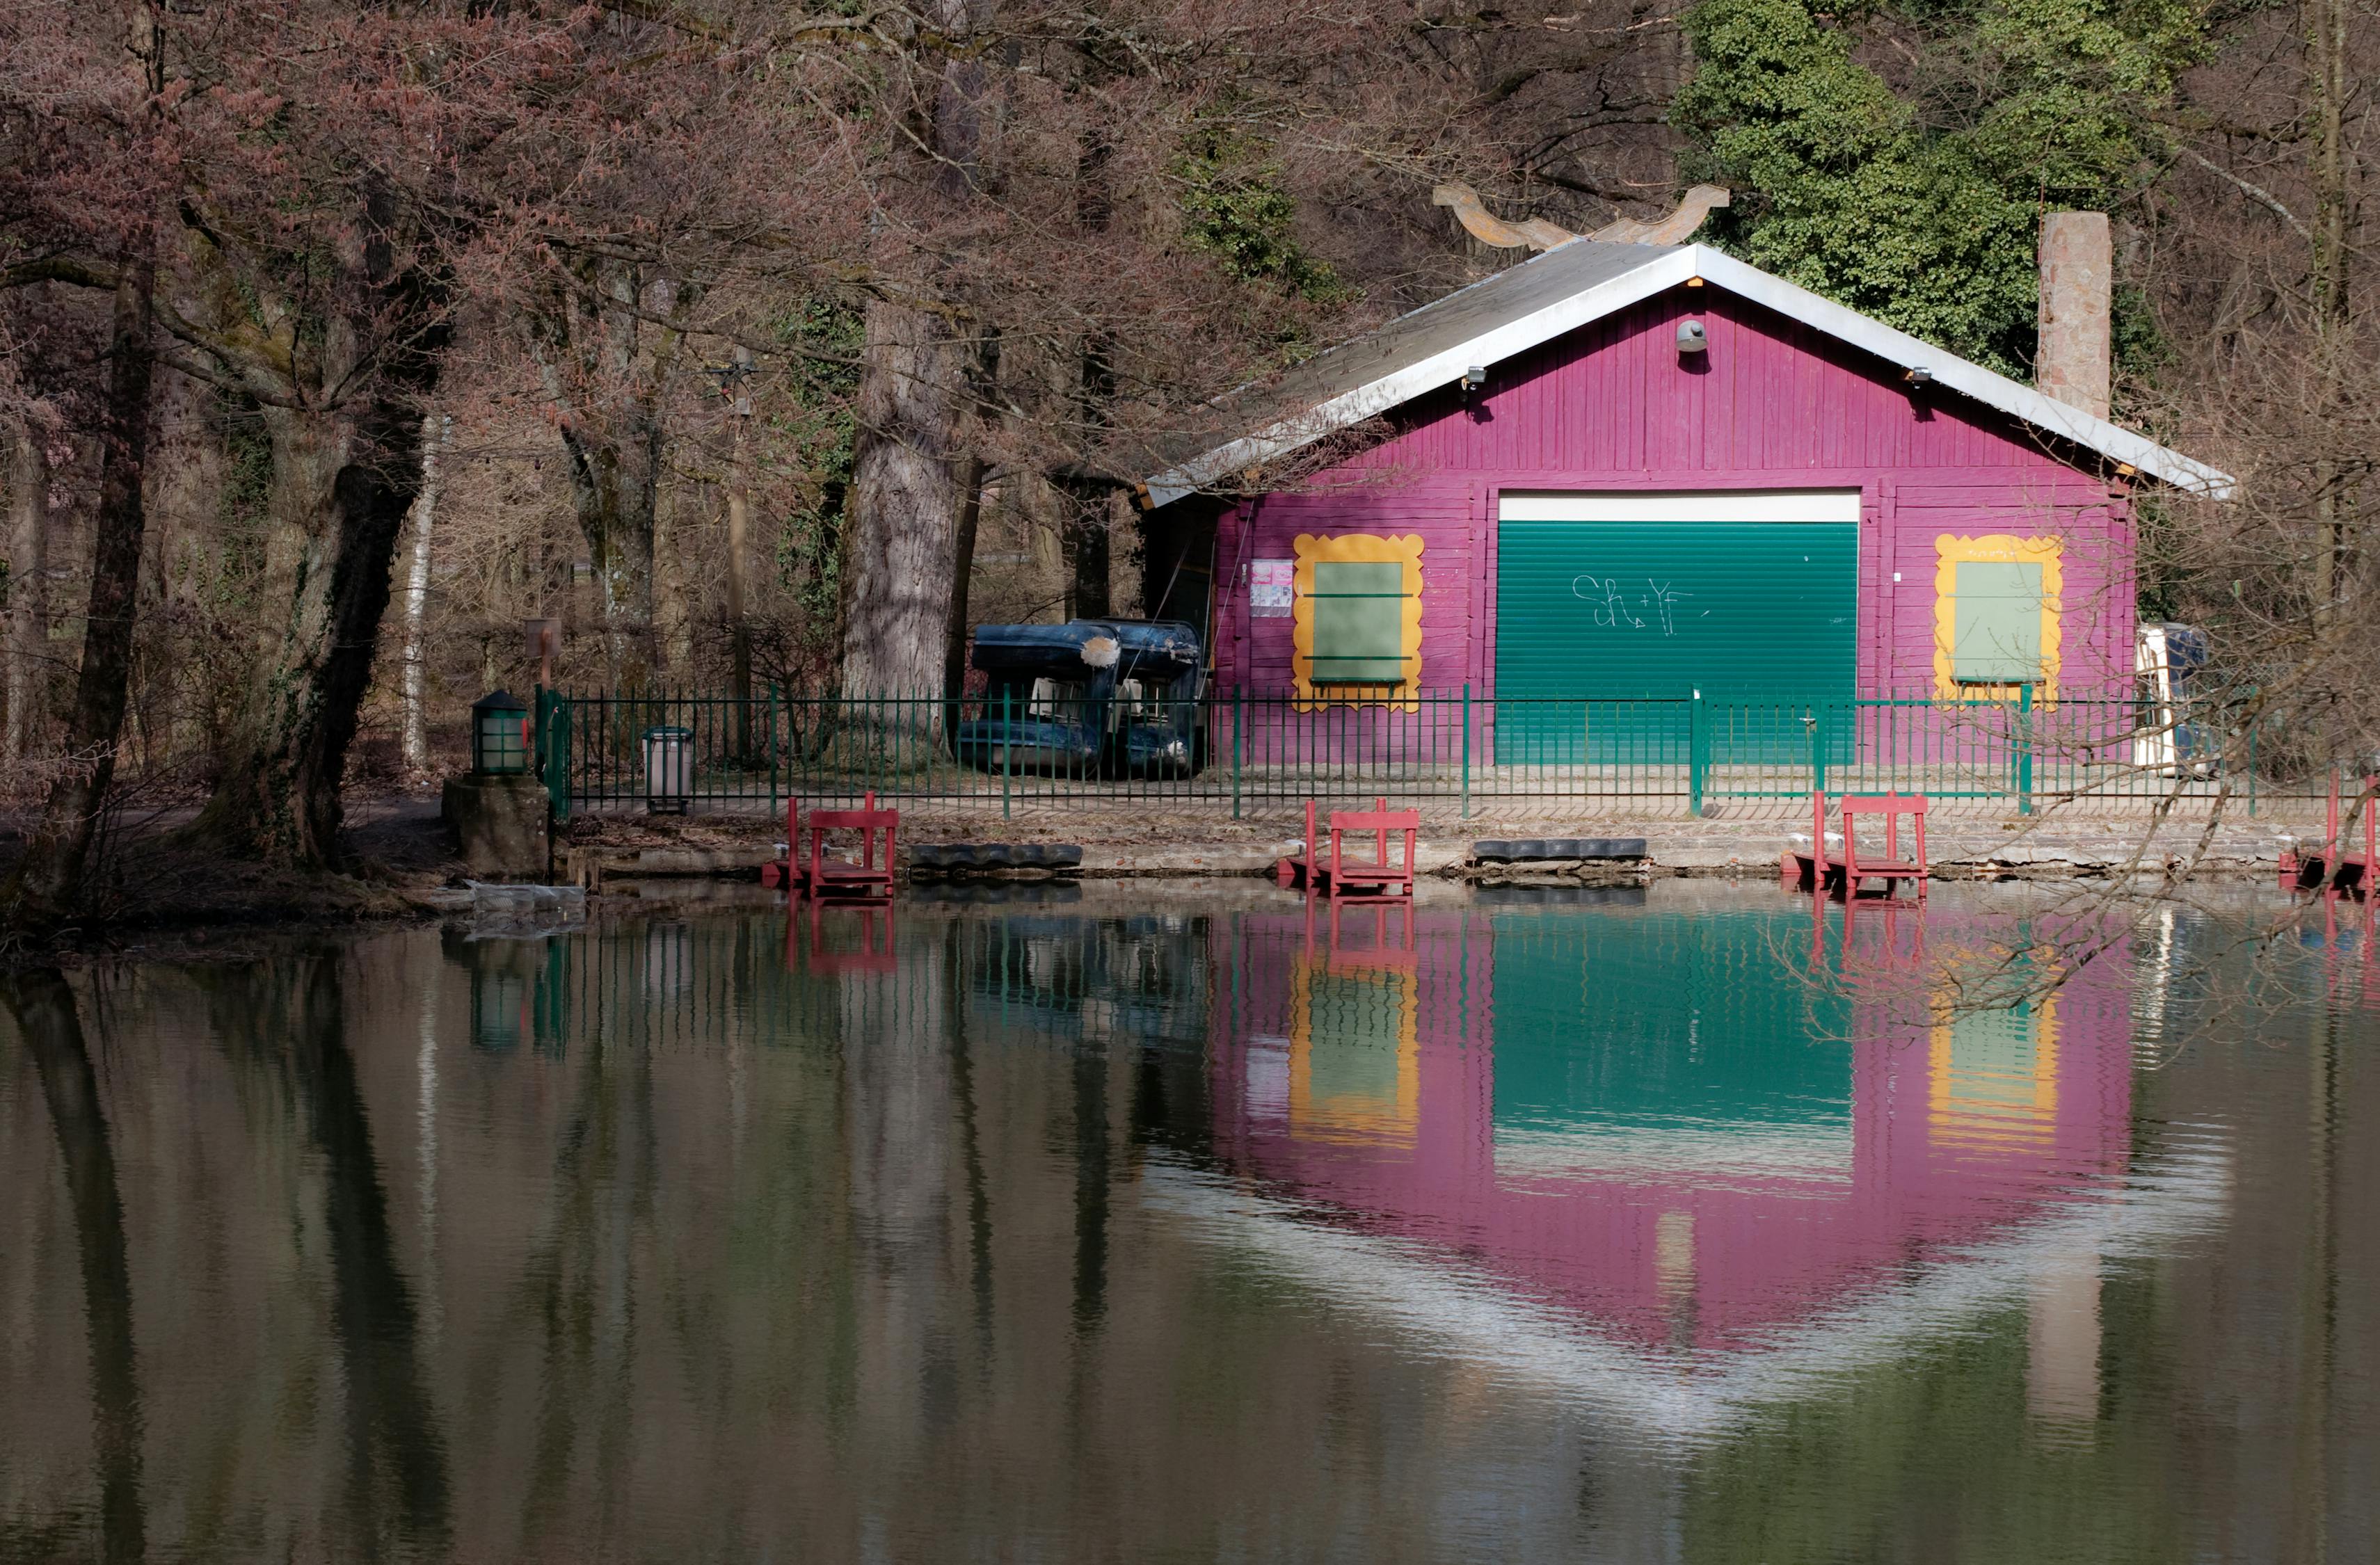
1349	1079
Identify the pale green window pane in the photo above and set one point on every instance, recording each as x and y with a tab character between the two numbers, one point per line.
1359	623
1356	1026
1996	623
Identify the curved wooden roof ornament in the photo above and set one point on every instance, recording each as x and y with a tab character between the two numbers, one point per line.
1674	229
1539	235
1485	228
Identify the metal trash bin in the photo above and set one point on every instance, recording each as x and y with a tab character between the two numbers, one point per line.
669	770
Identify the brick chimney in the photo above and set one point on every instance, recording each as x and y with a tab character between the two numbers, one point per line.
2072	362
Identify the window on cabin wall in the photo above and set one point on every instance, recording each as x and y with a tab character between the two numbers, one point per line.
1997	617
1356	636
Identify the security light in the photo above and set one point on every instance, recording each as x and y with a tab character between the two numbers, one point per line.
1475	378
1691	338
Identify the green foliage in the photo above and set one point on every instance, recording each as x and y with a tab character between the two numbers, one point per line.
1921	209
1235	207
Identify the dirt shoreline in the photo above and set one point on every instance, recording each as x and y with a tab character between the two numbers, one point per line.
149	891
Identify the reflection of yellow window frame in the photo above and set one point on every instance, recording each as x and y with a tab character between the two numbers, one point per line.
1355	549
1369	1119
1964	1119
1999	548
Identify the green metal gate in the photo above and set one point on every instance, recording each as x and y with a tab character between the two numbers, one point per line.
1741	612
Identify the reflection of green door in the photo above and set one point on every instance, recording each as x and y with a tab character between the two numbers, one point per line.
1636	1039
1744	611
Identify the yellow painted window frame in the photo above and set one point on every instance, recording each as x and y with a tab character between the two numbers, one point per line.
1355	549
1996	548
1957	1118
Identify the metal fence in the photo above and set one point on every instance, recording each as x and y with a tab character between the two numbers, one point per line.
1251	754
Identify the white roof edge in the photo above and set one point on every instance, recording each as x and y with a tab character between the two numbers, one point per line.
1991	389
1666	270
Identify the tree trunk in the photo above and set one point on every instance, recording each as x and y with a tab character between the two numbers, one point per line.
1088	552
2326	93
341	494
905	509
739	542
613	491
43	1008
954	660
672	616
28	625
49	877
436	430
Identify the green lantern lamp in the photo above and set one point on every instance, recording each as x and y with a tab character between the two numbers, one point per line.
500	735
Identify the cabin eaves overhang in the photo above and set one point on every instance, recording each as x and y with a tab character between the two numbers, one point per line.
1519	308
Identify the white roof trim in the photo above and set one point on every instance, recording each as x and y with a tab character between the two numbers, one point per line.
1665	270
1662	270
1695	506
1469	1312
1970	380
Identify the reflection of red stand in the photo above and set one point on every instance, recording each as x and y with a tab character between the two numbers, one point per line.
868	958
1381	952
1890	957
1338	875
2352	871
822	875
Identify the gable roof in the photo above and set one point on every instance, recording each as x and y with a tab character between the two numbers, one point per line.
1569	286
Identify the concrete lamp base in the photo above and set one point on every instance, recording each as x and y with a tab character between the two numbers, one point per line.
501	825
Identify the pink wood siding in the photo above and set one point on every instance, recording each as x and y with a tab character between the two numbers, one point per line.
1773	405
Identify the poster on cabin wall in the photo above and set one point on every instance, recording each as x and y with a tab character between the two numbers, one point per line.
1269	587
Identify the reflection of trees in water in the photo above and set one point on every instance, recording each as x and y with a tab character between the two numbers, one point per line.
285	1021
43	1008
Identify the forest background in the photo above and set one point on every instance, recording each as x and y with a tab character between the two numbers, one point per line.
759	344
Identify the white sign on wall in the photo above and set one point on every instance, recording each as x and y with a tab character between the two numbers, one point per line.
1269	587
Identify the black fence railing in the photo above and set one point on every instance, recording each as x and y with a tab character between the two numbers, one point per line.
1251	754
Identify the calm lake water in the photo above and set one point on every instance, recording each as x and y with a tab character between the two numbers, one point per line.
1130	1224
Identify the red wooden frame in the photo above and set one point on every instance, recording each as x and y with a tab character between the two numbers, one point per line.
1337	874
822	875
1891	867
2351	871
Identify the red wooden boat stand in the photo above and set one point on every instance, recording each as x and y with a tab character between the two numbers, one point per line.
2351	871
1819	872
822	875
1339	873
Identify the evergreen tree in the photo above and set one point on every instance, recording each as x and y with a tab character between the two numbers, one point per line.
1918	203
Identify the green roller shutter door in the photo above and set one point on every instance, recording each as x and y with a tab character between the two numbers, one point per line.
1762	612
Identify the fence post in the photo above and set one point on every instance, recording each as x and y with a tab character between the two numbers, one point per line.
1696	741
2254	723
1236	710
1466	749
771	742
1815	719
2024	748
1007	743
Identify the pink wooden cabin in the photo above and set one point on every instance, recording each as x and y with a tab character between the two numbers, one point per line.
1565	489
